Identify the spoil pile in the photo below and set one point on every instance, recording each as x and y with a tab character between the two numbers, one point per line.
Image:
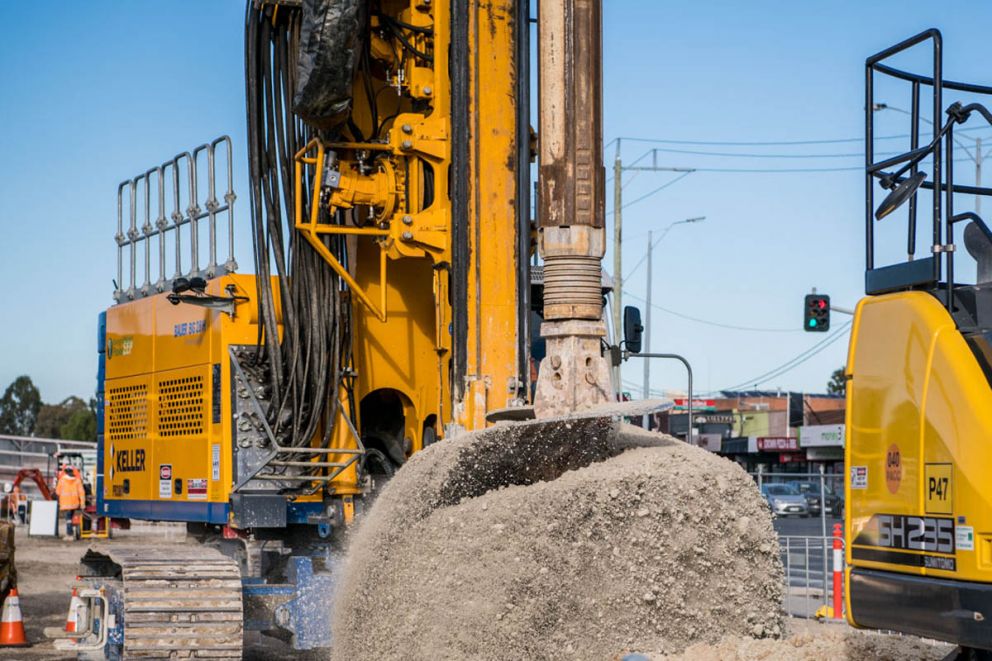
573	539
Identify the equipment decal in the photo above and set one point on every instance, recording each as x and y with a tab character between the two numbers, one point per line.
965	538
937	487
893	468
196	489
215	462
165	481
908	533
130	461
120	347
859	477
189	328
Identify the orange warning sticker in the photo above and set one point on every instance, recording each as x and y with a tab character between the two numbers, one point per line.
893	468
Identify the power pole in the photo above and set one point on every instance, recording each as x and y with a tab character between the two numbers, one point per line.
617	248
647	333
978	174
617	261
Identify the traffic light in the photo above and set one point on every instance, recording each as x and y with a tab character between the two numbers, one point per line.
817	319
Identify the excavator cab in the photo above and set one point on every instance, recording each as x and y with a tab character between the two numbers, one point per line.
919	367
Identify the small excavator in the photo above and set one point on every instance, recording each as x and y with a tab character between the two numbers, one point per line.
919	371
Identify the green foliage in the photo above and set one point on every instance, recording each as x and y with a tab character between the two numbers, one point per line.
81	426
19	407
53	417
838	383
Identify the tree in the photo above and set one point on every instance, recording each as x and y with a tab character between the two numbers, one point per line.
838	383
80	427
19	407
53	417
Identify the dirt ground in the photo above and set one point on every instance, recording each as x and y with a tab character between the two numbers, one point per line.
46	571
47	568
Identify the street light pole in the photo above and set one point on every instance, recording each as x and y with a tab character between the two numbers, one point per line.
617	249
647	313
646	392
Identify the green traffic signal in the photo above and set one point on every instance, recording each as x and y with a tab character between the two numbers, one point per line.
816	313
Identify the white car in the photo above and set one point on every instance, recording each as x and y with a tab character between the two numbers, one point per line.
785	500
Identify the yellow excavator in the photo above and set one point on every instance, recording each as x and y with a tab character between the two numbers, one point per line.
392	302
919	371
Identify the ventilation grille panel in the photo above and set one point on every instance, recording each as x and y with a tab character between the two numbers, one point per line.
127	412
181	407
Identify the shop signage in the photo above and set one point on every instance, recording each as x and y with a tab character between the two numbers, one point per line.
715	419
825	454
821	436
681	404
777	444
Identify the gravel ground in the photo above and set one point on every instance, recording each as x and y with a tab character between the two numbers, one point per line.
812	641
47	569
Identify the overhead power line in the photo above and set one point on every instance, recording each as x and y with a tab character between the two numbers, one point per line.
794	362
672	150
665	185
771	143
713	323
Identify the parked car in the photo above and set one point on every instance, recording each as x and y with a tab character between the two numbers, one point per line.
785	500
811	490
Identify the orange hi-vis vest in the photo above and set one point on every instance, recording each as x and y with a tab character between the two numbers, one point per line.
70	492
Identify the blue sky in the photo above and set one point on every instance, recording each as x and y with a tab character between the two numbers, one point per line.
93	93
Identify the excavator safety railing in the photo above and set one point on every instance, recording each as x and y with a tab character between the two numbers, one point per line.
311	230
163	182
901	174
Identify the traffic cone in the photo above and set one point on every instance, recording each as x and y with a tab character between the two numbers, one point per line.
11	622
72	620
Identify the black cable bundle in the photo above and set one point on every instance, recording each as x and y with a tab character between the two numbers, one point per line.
303	367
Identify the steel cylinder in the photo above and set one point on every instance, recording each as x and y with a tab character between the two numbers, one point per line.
571	176
573	287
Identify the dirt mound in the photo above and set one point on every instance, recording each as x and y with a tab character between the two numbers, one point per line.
581	541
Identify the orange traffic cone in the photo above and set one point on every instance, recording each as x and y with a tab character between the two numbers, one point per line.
72	620
11	622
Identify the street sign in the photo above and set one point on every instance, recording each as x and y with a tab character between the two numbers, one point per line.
697	404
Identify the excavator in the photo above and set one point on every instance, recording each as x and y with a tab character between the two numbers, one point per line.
392	303
919	373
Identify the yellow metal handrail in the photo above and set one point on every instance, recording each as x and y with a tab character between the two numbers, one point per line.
311	230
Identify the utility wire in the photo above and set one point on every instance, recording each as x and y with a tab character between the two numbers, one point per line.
672	150
713	323
665	185
794	362
763	143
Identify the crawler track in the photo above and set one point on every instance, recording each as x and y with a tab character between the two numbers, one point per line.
180	605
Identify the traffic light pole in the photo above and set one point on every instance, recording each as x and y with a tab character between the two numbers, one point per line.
688	369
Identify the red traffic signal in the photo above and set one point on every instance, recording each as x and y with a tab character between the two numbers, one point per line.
816	313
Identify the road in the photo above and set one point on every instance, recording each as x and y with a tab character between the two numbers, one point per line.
810	527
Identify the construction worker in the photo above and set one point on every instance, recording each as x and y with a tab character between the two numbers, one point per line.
72	496
18	504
